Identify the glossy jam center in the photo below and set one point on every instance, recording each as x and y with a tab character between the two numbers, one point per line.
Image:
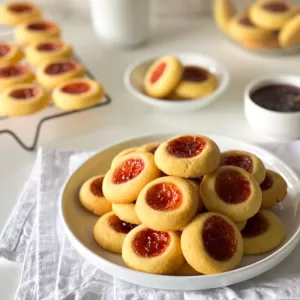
12	71
60	68
48	47
256	225
246	22
96	187
241	161
156	74
119	225
4	49
150	243
23	94
276	6
76	88
186	146
267	183
128	170
20	7
164	196
219	238
194	74
232	187
40	26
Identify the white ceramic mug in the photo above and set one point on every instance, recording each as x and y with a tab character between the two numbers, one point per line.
121	22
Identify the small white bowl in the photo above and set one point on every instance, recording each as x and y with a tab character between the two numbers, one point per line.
278	125
135	73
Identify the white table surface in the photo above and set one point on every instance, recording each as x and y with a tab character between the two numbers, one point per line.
126	117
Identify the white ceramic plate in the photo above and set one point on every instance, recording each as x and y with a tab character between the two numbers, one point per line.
78	223
135	73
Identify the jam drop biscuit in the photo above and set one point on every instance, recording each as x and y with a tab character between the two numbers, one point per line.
78	93
123	153
212	244
54	73
126	212
163	76
36	31
18	12
289	34
233	192
128	176
110	232
245	160
151	251
22	99
223	13
188	156
92	198
151	147
241	225
167	203
274	189
46	51
263	232
10	54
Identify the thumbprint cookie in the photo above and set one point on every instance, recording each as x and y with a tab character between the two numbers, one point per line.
110	232
151	147
262	233
78	93
35	31
163	76
152	251
123	153
10	54
46	51
212	244
128	176
240	225
223	13
188	156
54	73
92	198
14	74
187	270
18	12
167	203
274	189
289	34
22	99
245	160
233	192
126	212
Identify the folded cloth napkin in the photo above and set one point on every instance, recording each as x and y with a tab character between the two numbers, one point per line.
52	269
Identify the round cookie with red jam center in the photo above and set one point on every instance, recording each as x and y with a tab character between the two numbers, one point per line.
14	74
10	54
14	13
188	156
128	176
271	14
110	232
52	74
123	153
78	93
92	198
262	233
233	192
212	244
22	99
162	77
35	31
289	34
241	225
151	147
274	189
151	251
48	50
126	212
167	203
223	13
195	82
245	160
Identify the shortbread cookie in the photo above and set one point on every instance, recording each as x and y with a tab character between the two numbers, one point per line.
241	225
151	147
126	212
289	34
10	54
223	13
123	153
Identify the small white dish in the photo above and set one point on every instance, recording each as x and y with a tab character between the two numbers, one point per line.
278	125
135	73
78	223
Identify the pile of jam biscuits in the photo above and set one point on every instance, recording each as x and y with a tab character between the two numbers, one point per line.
181	207
26	90
266	24
168	79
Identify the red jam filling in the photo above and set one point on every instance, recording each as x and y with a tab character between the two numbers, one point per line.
96	187
153	149
186	146
48	47
156	74
20	7
246	22
23	94
256	225
164	196
241	161
76	88
40	26
276	7
232	187
119	225
219	238
194	74
128	170
60	68
267	183
150	243
11	71
4	49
